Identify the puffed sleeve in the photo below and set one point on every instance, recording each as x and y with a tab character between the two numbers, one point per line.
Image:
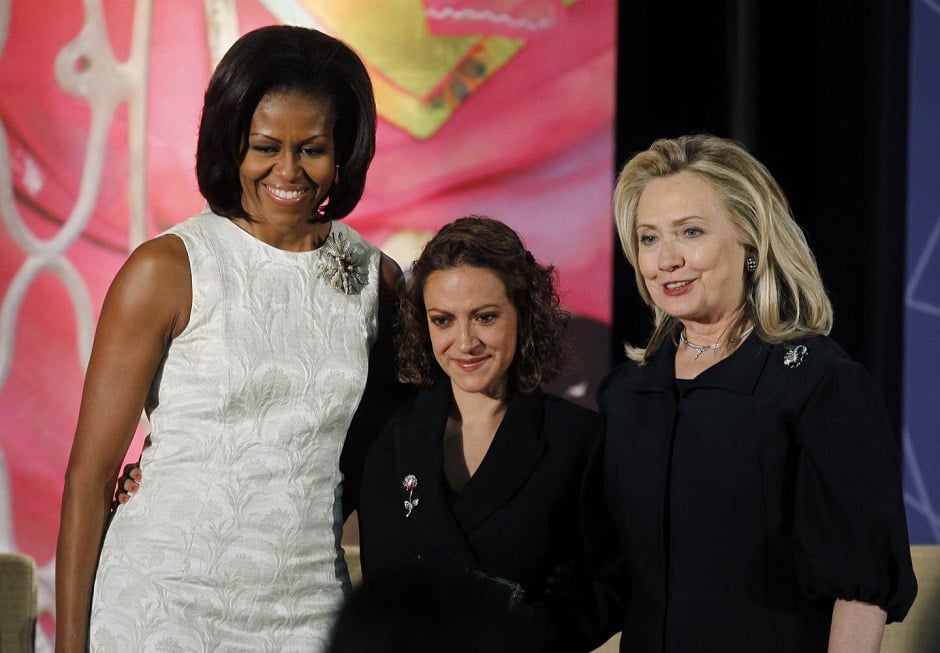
850	530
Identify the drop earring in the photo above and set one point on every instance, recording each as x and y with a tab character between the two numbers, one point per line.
750	264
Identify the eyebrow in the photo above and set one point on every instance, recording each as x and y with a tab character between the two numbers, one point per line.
476	309
678	222
272	138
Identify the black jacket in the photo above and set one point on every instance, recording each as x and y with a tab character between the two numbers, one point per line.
748	499
516	519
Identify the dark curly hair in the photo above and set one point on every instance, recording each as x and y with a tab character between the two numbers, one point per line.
285	59
478	241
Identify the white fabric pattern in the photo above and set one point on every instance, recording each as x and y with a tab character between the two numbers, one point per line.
232	542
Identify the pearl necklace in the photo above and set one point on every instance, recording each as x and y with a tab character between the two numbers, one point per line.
701	349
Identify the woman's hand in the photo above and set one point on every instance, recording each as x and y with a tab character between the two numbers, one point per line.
128	484
567	588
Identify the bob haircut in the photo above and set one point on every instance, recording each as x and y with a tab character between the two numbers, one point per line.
784	297
285	59
476	241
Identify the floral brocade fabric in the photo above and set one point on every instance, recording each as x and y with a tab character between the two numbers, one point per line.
232	542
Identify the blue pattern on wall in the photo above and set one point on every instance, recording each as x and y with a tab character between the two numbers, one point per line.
922	293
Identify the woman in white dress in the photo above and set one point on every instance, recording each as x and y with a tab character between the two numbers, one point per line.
245	332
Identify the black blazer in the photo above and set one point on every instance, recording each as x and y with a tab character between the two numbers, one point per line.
517	518
748	499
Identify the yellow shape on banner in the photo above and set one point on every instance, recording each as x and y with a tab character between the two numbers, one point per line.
420	78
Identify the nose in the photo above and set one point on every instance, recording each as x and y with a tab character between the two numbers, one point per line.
670	258
466	339
287	165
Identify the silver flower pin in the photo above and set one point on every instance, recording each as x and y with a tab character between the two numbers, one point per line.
343	268
410	483
795	356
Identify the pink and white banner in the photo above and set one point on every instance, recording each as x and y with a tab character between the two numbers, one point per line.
500	107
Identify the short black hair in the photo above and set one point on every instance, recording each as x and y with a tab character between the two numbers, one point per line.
285	59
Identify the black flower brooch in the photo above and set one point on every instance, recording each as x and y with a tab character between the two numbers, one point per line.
343	266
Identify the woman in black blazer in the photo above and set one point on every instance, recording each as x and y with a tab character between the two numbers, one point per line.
752	476
482	471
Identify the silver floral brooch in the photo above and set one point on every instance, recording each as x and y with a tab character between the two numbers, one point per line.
795	356
410	482
343	266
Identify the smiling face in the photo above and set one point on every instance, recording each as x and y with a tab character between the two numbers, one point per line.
688	252
473	327
290	162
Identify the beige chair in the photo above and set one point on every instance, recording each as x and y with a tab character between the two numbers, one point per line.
612	645
920	630
17	603
352	563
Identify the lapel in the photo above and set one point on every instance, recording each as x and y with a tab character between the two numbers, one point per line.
741	371
511	459
659	374
419	451
738	373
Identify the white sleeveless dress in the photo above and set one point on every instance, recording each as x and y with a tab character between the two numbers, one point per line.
232	542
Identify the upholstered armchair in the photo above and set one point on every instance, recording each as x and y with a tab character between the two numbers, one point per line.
17	603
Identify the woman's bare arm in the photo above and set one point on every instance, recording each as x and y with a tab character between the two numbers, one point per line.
147	304
857	627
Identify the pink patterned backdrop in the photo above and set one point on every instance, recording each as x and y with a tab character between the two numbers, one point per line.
496	107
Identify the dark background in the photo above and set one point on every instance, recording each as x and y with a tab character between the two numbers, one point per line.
816	91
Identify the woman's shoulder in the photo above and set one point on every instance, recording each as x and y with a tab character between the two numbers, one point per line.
625	370
563	407
153	281
389	273
569	419
824	345
188	238
815	355
812	368
412	410
412	405
198	223
161	259
620	375
354	238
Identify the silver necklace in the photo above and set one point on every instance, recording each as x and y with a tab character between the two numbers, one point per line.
701	349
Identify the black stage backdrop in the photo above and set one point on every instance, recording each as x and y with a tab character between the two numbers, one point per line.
818	92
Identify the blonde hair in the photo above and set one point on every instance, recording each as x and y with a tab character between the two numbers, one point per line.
784	297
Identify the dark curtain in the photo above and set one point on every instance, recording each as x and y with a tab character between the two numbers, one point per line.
817	92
